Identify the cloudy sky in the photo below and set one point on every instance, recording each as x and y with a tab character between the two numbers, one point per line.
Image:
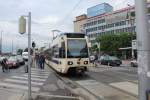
46	16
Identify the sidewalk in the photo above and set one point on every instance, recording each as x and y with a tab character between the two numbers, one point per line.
7	94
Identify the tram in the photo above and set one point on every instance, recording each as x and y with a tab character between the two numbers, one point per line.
69	52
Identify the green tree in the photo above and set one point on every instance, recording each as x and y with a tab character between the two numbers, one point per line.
19	51
111	43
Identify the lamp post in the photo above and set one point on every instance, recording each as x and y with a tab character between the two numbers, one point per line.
1	39
22	30
131	21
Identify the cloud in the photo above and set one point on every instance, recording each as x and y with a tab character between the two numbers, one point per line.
46	16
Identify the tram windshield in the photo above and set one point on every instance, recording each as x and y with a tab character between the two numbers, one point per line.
77	48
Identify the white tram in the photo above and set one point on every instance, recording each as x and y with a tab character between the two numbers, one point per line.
69	52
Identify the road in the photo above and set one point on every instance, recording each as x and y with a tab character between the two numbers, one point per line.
102	82
45	84
110	83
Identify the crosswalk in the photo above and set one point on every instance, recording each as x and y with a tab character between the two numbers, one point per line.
102	69
116	89
38	77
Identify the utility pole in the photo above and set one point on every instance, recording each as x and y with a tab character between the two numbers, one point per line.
29	56
143	40
1	42
131	20
22	30
12	46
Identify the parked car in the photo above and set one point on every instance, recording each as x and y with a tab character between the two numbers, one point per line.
25	56
134	63
20	59
109	60
12	62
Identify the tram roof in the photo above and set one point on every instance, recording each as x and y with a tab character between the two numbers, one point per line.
72	33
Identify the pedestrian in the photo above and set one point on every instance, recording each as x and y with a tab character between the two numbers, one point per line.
26	67
4	65
40	61
37	60
43	61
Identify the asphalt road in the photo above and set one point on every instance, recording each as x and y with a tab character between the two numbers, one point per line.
45	84
110	83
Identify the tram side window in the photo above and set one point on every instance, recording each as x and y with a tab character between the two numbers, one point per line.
56	51
62	50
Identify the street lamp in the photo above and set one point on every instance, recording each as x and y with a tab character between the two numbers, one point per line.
1	39
131	21
98	45
22	30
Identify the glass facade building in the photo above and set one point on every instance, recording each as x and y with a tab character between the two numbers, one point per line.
99	9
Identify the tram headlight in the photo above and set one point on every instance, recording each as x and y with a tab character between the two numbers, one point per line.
85	62
70	63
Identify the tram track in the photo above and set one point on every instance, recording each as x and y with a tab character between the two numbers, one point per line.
77	89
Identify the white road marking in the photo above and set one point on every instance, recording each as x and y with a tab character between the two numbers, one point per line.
36	76
126	86
23	81
88	82
33	79
35	69
17	86
40	72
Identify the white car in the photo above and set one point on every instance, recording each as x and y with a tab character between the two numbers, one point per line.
20	59
134	63
25	56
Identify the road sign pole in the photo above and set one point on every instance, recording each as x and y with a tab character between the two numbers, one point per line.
29	57
143	47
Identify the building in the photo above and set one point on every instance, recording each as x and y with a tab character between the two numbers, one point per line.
99	9
79	22
122	20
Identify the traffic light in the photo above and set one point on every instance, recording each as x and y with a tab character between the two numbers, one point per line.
33	44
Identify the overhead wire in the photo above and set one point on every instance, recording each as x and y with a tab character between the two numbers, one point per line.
69	13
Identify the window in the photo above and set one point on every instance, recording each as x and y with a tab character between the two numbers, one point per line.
56	51
62	50
78	50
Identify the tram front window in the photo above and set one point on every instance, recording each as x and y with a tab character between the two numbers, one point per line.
77	48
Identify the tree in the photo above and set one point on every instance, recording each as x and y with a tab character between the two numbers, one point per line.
19	51
111	43
26	50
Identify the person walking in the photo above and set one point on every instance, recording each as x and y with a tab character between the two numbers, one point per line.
4	65
43	61
37	60
40	61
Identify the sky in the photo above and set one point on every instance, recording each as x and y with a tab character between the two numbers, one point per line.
47	15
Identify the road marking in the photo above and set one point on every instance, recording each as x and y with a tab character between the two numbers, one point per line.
87	82
23	81
126	86
40	72
22	87
33	79
36	76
